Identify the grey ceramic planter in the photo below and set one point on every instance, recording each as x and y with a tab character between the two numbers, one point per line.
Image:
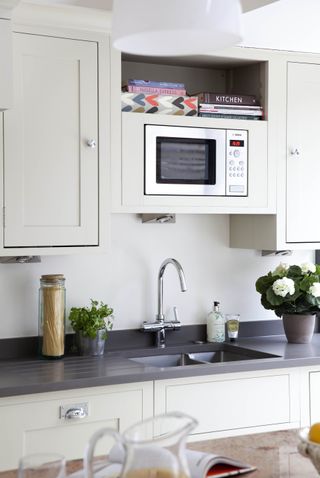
298	328
88	346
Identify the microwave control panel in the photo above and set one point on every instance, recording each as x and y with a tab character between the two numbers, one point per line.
237	163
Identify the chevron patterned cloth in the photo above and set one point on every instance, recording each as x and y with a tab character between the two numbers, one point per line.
164	104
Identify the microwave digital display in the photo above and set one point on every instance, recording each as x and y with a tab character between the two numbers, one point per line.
185	160
238	143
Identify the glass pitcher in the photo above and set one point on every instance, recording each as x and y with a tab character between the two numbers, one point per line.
154	448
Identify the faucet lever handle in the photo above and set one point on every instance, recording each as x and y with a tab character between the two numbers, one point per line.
175	324
176	314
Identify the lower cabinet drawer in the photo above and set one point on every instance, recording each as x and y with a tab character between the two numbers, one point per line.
33	423
230	403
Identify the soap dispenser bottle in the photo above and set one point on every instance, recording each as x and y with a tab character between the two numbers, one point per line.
215	325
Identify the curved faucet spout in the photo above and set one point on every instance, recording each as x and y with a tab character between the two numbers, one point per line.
183	286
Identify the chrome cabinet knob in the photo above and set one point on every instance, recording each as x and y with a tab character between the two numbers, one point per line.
91	143
294	152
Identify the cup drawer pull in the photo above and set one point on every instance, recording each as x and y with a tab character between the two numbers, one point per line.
74	411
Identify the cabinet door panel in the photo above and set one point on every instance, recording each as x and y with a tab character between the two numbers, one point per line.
314	397
50	173
32	424
221	405
303	165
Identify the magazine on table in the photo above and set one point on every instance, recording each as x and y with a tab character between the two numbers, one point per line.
201	464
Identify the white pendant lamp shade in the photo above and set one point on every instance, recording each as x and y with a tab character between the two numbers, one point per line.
175	27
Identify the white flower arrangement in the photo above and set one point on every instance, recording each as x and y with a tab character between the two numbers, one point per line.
315	289
308	267
291	289
283	287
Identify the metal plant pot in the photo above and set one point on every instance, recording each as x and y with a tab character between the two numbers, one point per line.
298	328
89	346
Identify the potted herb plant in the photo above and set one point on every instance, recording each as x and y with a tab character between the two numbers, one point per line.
293	292
91	325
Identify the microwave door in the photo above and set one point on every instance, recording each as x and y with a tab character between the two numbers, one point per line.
185	161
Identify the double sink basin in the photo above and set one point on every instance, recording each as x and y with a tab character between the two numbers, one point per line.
215	353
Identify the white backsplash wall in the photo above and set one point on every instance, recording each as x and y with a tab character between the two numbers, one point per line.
126	276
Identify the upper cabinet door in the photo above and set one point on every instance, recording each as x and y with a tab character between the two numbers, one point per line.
51	144
303	160
5	64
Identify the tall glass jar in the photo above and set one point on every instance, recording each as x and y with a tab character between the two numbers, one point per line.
52	315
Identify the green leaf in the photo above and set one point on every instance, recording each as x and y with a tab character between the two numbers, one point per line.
292	298
88	320
306	282
273	298
264	282
265	303
294	271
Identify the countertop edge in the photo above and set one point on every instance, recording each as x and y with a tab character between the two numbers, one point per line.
116	367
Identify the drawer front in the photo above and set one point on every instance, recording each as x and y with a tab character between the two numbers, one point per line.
36	426
230	404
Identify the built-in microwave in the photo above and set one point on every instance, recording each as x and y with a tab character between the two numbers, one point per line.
191	161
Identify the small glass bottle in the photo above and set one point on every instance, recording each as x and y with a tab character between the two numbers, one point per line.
215	325
52	314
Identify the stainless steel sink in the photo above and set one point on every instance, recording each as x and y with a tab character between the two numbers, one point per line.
174	360
217	353
229	356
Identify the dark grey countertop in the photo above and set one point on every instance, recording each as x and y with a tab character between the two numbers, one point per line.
19	377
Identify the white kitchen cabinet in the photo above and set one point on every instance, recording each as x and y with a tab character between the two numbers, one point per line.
233	404
50	171
234	71
54	141
314	384
303	166
294	226
6	76
33	423
310	395
133	127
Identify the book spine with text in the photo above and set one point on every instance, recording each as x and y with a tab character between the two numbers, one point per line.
221	115
156	91
210	106
233	111
156	84
217	98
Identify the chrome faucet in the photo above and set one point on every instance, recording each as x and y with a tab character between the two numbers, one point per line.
161	325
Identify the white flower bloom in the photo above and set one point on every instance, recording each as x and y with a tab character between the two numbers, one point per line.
283	287
281	269
315	289
307	267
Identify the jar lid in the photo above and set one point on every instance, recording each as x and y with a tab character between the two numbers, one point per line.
52	277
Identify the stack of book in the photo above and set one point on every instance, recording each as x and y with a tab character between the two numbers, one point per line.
216	105
155	87
144	96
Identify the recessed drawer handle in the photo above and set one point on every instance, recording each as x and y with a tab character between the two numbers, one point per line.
75	414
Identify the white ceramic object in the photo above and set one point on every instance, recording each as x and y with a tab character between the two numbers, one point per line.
309	449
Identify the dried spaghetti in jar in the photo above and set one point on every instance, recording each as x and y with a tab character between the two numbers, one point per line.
52	313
